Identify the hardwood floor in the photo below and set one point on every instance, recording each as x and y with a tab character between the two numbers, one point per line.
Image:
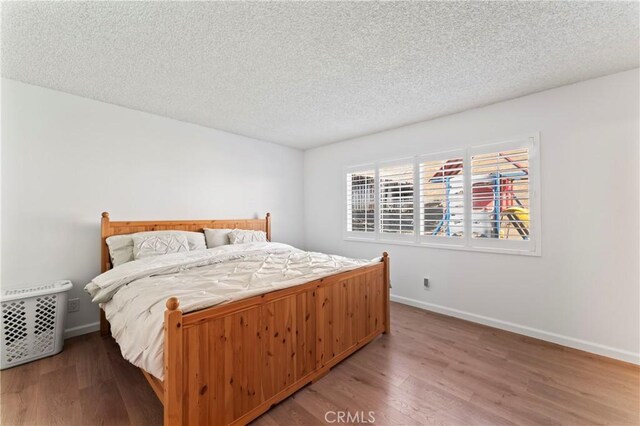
432	369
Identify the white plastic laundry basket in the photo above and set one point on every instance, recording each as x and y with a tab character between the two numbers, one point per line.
32	322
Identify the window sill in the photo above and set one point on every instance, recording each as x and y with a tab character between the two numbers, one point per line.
422	244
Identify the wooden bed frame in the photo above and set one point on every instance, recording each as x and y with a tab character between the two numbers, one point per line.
230	363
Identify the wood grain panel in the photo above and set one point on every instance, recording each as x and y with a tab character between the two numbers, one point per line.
348	311
197	374
222	372
306	333
279	342
245	360
289	341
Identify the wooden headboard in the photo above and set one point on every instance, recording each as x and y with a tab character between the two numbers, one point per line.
110	228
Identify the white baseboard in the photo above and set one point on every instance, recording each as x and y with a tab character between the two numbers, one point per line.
571	342
81	329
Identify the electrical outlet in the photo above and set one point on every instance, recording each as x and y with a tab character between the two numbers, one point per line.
74	305
426	284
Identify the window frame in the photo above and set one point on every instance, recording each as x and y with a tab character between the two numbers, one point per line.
531	247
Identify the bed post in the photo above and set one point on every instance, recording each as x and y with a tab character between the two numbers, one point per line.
104	232
173	364
104	266
268	226
387	294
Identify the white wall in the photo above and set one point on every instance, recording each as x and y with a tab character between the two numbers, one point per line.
65	159
584	289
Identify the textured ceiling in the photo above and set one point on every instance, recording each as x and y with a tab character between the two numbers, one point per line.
309	73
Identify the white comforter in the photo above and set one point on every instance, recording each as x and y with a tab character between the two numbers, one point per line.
133	295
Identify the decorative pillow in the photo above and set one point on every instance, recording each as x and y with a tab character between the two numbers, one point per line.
239	236
121	246
156	245
120	249
216	237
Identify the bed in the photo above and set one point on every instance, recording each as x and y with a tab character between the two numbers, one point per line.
229	363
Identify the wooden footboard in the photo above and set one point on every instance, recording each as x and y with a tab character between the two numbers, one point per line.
229	364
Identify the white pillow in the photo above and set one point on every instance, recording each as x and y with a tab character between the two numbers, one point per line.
216	237
121	246
156	245
239	236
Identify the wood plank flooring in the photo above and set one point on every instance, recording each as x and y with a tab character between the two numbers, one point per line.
432	369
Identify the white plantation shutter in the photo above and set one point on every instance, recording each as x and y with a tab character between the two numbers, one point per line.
501	195
396	199
442	197
482	197
361	201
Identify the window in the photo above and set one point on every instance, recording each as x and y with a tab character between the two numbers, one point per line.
442	197
500	195
361	201
505	213
396	199
477	198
